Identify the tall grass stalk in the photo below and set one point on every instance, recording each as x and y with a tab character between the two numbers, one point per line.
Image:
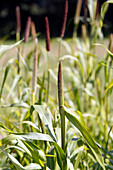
76	18
63	26
107	72
34	78
61	103
18	30
48	51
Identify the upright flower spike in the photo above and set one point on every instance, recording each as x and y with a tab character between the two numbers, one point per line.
27	30
60	85
18	20
33	30
47	34
61	103
34	80
64	19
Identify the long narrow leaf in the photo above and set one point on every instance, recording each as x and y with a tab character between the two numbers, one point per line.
4	48
5	77
109	85
91	143
46	119
18	166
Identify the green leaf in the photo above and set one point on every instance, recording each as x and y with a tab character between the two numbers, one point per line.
35	136
4	48
16	80
91	143
61	157
53	75
50	158
5	75
78	159
18	166
21	104
31	124
104	9
81	117
109	85
37	154
46	119
69	57
65	44
109	52
4	127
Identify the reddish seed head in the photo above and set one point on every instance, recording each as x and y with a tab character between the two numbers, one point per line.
60	80
27	31
47	34
18	19
64	19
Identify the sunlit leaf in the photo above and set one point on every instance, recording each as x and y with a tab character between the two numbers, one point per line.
4	48
91	143
46	119
109	52
109	85
15	82
5	128
5	75
31	124
69	57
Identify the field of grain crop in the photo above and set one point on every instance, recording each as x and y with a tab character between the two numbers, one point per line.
56	96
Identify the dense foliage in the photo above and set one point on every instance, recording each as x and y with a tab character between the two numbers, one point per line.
55	107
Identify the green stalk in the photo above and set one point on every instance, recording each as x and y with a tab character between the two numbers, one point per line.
18	59
18	19
61	103
107	78
76	19
48	78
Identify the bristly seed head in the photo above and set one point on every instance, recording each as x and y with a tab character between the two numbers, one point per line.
27	31
47	34
64	19
60	85
18	20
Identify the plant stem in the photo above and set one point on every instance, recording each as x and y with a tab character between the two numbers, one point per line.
48	78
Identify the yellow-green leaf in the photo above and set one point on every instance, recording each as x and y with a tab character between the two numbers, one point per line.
109	85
